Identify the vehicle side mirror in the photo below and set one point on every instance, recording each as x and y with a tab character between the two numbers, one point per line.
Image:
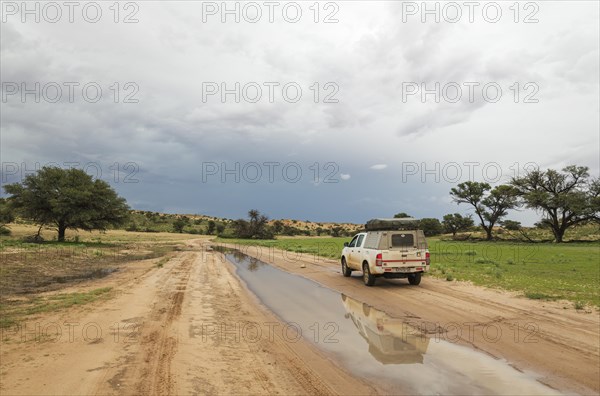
346	244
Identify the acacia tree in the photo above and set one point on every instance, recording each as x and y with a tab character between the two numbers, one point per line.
211	227
565	198
256	227
430	226
490	204
456	222
67	198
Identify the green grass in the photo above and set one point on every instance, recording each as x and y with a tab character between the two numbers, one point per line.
547	271
324	247
11	313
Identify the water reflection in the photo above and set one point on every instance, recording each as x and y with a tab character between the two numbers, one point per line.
391	341
253	263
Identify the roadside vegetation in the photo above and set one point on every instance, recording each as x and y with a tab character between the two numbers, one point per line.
13	311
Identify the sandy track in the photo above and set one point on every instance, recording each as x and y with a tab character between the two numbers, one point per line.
187	328
560	344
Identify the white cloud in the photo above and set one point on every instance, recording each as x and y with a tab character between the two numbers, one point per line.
344	176
379	166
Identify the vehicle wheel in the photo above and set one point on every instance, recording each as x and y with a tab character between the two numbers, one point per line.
414	279
345	270
368	278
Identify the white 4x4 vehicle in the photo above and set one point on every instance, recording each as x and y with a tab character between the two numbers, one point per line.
392	248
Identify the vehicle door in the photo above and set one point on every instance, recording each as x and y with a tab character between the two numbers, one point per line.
356	252
351	252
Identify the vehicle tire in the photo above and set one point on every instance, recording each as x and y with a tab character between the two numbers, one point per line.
414	279
345	270
368	278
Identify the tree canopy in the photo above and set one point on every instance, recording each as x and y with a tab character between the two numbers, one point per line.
67	198
565	198
456	223
431	226
490	204
256	227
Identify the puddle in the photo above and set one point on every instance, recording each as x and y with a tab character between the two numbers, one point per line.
373	345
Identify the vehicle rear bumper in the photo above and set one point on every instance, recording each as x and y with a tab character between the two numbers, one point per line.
400	272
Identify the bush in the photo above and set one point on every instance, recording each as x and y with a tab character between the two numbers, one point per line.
254	228
33	239
431	226
4	231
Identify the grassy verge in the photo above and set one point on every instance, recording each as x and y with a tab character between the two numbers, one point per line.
540	271
27	268
323	247
547	271
12	312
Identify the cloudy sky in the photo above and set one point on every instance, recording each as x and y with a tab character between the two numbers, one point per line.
339	111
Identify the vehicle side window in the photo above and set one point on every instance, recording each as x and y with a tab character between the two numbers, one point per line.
403	240
360	240
353	242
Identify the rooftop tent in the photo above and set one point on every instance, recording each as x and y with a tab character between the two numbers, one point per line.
406	223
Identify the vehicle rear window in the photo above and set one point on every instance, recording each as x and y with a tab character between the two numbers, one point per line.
403	240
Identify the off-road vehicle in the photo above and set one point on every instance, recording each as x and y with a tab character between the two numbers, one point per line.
390	248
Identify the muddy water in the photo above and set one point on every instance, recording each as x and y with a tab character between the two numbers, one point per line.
375	346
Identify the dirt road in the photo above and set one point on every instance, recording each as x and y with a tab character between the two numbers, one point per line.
191	327
186	328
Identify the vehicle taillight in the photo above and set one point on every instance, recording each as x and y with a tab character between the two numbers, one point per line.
427	259
379	260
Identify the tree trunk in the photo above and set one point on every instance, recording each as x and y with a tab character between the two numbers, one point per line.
488	233
558	234
61	232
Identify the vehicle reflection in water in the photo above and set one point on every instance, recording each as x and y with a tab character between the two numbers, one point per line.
391	341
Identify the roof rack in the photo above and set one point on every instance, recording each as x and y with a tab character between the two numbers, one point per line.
405	223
